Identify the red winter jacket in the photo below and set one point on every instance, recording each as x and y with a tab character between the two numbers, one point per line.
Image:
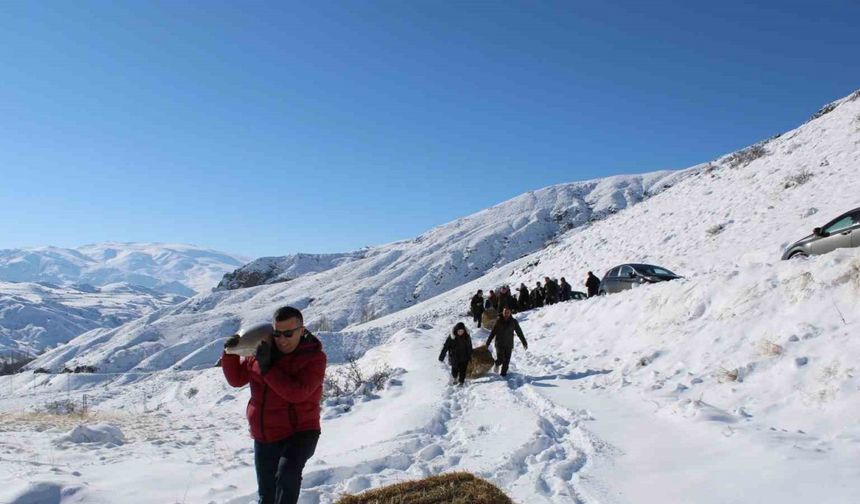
285	400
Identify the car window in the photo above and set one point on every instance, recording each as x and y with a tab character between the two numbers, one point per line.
625	271
839	225
613	272
654	271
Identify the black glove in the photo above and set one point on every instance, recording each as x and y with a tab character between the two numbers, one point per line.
526	346
264	357
231	341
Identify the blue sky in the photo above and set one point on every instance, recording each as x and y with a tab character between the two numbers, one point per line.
270	128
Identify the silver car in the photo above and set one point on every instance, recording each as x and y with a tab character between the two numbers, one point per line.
626	276
841	232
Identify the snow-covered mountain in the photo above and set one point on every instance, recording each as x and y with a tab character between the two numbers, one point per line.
36	316
170	268
414	270
737	383
269	270
352	288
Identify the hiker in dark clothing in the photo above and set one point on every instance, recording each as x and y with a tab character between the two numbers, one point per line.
476	307
506	299
458	347
537	296
492	301
565	290
286	380
592	284
503	333
550	289
524	302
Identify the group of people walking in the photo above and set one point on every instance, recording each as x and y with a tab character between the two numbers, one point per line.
287	370
458	346
548	293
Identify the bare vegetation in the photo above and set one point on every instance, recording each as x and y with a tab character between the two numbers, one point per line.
728	375
66	407
798	179
830	107
770	349
746	156
351	379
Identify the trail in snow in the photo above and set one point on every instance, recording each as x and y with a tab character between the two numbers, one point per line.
498	428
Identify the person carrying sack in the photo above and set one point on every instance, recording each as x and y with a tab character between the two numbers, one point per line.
458	348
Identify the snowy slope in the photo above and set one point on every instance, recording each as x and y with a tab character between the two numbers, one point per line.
735	384
170	268
36	316
373	282
465	249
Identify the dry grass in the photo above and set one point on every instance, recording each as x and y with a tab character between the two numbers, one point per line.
41	420
451	488
746	156
770	349
728	375
798	179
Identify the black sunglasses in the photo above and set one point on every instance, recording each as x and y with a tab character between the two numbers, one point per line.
286	334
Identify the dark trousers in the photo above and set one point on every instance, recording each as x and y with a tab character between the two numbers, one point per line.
458	371
280	464
476	316
503	358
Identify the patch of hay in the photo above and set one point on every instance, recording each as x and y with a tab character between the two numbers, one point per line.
480	363
452	488
489	318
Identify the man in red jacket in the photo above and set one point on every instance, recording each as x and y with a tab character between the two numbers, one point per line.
286	376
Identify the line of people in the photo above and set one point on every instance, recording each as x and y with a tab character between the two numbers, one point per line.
551	292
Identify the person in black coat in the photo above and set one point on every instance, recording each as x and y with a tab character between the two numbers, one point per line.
565	290
506	299
492	301
503	333
550	289
537	296
458	348
524	302
476	307
592	284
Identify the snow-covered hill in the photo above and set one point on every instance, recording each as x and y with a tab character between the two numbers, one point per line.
402	273
170	268
737	383
269	270
351	288
36	316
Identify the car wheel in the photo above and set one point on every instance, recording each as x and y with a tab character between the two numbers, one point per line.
798	255
601	293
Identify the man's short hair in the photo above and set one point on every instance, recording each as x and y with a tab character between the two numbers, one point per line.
286	313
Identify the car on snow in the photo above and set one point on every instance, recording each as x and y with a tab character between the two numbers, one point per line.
626	276
841	232
578	296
